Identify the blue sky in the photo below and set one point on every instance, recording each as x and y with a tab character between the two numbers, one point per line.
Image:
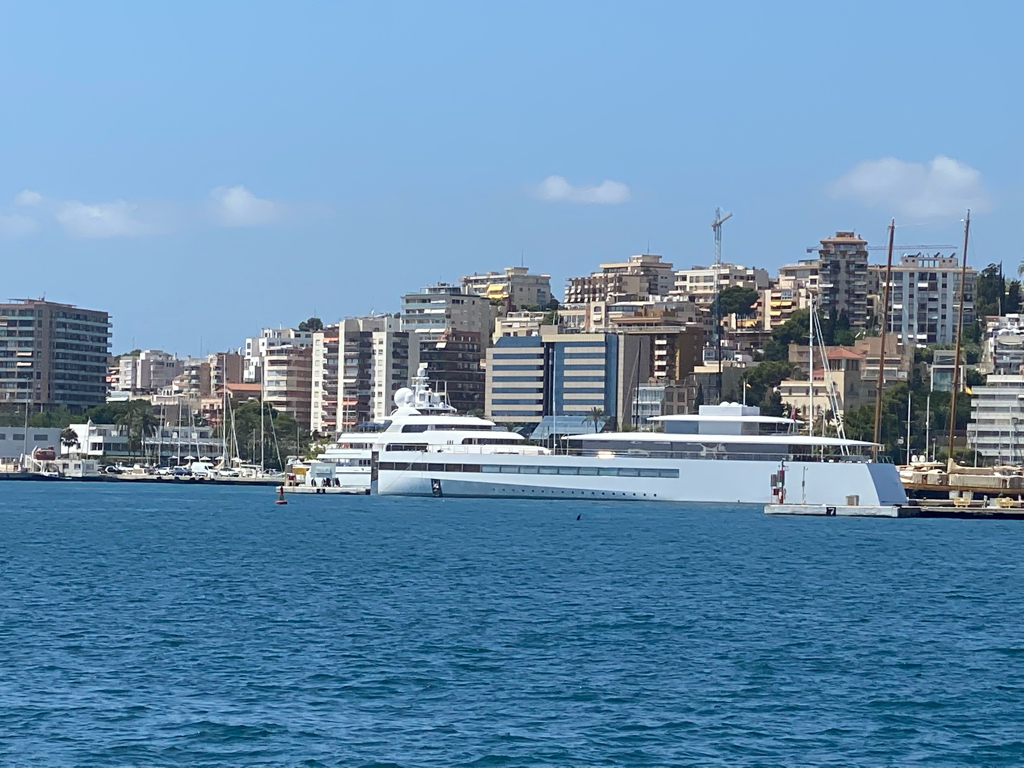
201	170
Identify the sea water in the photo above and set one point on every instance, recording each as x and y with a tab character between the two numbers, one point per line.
205	626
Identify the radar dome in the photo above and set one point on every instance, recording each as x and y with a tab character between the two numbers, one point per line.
403	397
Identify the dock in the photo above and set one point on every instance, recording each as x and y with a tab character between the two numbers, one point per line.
950	511
350	490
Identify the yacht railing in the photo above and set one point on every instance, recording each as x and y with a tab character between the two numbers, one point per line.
707	455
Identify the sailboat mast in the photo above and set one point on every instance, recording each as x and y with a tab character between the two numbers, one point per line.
810	371
956	353
881	337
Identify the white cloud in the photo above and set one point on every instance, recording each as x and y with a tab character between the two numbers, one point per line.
28	197
941	187
238	207
116	219
558	189
16	225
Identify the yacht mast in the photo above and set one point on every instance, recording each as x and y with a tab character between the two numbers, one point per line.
881	340
810	370
956	354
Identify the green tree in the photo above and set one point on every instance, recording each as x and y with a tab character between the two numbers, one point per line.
762	379
795	329
312	325
595	416
1014	298
737	300
139	422
989	291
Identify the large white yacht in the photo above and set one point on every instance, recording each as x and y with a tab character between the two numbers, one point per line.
726	454
421	418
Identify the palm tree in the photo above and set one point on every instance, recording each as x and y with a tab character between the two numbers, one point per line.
595	415
68	437
139	421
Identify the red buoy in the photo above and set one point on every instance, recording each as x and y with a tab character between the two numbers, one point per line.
280	495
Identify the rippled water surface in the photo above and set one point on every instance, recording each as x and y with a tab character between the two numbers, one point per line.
193	626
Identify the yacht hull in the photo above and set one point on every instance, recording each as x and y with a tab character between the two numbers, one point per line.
676	480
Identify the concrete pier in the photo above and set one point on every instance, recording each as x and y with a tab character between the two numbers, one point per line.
820	510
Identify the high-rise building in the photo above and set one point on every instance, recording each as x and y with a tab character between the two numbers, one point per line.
288	381
453	368
515	287
924	296
428	313
270	338
358	366
325	364
570	374
53	354
843	278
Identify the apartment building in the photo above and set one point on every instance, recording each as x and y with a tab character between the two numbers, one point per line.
1003	351
326	359
358	366
701	283
287	373
518	324
428	313
515	287
270	338
996	429
843	278
53	354
779	302
923	298
640	277
454	368
146	371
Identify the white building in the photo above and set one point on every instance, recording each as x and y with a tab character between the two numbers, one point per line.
700	282
15	441
923	298
357	367
996	430
256	348
1004	346
147	371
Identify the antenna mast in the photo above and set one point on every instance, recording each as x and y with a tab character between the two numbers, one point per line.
716	226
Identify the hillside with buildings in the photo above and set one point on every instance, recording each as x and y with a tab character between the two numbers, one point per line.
631	340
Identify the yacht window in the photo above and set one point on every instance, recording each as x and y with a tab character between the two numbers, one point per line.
490	468
510	469
649	473
528	470
588	470
406	447
568	471
628	472
548	470
608	471
414	428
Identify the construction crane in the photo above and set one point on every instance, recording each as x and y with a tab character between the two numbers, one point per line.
716	226
813	248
